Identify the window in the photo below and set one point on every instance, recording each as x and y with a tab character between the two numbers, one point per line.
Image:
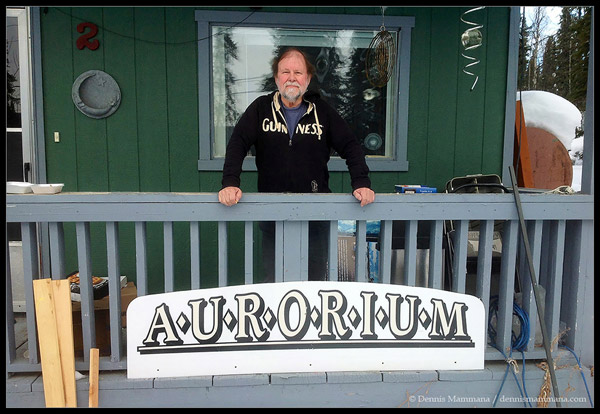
235	50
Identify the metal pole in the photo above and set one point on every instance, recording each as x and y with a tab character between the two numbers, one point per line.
536	292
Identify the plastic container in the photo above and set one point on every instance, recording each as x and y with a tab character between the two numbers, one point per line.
47	188
18	187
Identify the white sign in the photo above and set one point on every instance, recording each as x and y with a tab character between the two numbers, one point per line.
303	327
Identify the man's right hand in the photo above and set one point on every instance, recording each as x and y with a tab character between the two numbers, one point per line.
230	195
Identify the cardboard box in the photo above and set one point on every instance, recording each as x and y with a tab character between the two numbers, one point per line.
102	319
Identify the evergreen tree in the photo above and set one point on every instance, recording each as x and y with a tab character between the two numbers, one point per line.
549	67
580	30
524	50
231	53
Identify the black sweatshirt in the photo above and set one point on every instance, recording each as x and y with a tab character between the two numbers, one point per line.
299	164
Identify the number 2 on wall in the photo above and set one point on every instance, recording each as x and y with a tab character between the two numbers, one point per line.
83	41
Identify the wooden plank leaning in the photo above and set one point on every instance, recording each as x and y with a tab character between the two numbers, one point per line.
94	377
55	330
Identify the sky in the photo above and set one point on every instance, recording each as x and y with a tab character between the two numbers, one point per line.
553	21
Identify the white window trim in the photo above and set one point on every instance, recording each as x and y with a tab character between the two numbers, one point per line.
207	18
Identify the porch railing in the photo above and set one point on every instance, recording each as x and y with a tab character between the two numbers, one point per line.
560	232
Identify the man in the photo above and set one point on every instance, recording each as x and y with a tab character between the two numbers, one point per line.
293	133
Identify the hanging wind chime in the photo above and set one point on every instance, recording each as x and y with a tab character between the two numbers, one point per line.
381	56
471	39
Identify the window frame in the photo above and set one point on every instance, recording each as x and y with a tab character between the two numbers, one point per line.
205	19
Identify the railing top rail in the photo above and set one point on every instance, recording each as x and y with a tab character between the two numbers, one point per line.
177	206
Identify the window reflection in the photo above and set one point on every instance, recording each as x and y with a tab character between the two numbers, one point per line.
241	72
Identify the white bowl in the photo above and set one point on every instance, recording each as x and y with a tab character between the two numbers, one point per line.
18	187
47	188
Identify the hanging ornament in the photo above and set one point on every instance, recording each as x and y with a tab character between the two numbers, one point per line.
381	56
471	39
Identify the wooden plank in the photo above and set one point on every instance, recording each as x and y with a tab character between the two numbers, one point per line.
90	133
151	93
61	291
48	341
119	62
182	76
94	363
61	158
524	169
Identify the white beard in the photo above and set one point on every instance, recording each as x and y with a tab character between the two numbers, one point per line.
290	93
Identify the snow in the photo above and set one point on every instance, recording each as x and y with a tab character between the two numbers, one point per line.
551	113
559	117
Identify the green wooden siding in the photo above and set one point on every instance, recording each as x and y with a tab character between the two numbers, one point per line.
151	142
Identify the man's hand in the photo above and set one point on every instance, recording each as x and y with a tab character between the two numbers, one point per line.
230	195
365	195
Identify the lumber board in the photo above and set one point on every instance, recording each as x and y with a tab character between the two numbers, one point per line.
94	366
48	341
64	324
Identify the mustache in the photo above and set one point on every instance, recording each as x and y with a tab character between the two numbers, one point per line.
291	84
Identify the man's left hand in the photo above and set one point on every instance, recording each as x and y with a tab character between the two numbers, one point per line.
365	195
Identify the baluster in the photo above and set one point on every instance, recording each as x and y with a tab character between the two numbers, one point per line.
114	289
85	286
574	286
385	251
141	267
554	285
279	251
169	262
410	253
195	254
361	251
248	252
333	250
30	271
436	254
507	285
222	245
295	251
459	272
10	318
534	235
57	250
484	266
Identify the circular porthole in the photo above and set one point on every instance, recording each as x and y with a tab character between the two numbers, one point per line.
96	94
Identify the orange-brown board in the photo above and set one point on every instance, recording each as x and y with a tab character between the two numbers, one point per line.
550	161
